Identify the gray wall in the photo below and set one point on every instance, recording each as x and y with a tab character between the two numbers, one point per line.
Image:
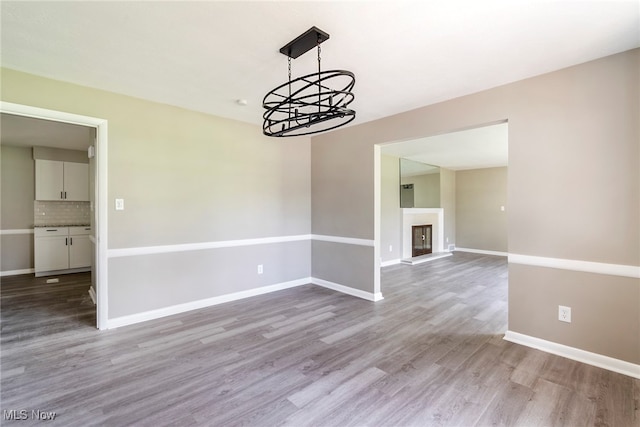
573	183
17	176
390	213
188	178
573	163
61	154
480	224
448	190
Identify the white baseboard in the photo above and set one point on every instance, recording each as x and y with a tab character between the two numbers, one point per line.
390	262
208	302
605	362
481	251
92	295
347	290
17	272
195	305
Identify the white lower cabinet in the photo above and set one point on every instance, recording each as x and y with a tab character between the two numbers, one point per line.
79	247
61	248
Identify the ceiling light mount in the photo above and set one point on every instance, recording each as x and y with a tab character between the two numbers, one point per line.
311	103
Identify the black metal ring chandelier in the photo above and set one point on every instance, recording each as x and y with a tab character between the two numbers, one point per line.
309	104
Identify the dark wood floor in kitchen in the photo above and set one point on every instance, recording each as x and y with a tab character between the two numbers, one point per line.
431	353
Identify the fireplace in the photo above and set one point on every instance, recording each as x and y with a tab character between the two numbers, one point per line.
421	241
421	217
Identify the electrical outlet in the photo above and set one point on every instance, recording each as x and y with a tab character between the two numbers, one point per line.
260	269
119	204
564	314
390	248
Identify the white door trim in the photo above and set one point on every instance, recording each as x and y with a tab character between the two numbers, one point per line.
102	305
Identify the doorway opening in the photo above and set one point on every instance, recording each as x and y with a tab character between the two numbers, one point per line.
99	187
461	175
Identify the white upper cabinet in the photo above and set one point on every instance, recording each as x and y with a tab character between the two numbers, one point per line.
62	180
76	181
49	180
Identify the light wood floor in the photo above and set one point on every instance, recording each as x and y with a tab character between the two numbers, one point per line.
431	353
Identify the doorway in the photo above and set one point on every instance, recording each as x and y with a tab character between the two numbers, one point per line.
421	240
457	154
100	188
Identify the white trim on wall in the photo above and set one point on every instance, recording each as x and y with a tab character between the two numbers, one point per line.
345	240
390	262
208	302
100	125
605	362
17	272
16	231
347	290
186	247
577	265
203	303
482	251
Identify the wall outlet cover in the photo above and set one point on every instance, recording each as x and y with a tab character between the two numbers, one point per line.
564	313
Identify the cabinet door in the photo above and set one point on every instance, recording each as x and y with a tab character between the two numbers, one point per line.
51	253
79	251
76	181
49	180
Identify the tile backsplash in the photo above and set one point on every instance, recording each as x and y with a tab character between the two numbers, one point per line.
60	213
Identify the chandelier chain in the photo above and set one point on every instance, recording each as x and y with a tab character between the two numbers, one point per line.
319	80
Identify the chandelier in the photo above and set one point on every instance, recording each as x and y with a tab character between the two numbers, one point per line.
309	104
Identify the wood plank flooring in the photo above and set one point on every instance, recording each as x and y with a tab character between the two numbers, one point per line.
430	354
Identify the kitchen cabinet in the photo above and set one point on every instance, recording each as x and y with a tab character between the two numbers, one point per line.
61	248
79	247
57	180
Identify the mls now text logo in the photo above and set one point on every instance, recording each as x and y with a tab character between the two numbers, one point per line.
23	414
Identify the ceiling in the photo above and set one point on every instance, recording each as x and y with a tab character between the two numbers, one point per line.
483	147
206	55
29	132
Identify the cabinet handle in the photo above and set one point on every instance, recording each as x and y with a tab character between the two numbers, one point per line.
61	196
65	194
55	229
66	241
70	240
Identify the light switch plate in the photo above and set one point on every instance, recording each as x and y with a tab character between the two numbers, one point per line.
119	204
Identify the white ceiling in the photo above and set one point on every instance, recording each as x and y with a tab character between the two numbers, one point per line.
205	55
29	132
478	148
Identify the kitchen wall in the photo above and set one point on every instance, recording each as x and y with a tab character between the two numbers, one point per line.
480	222
206	199
20	213
17	180
573	183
